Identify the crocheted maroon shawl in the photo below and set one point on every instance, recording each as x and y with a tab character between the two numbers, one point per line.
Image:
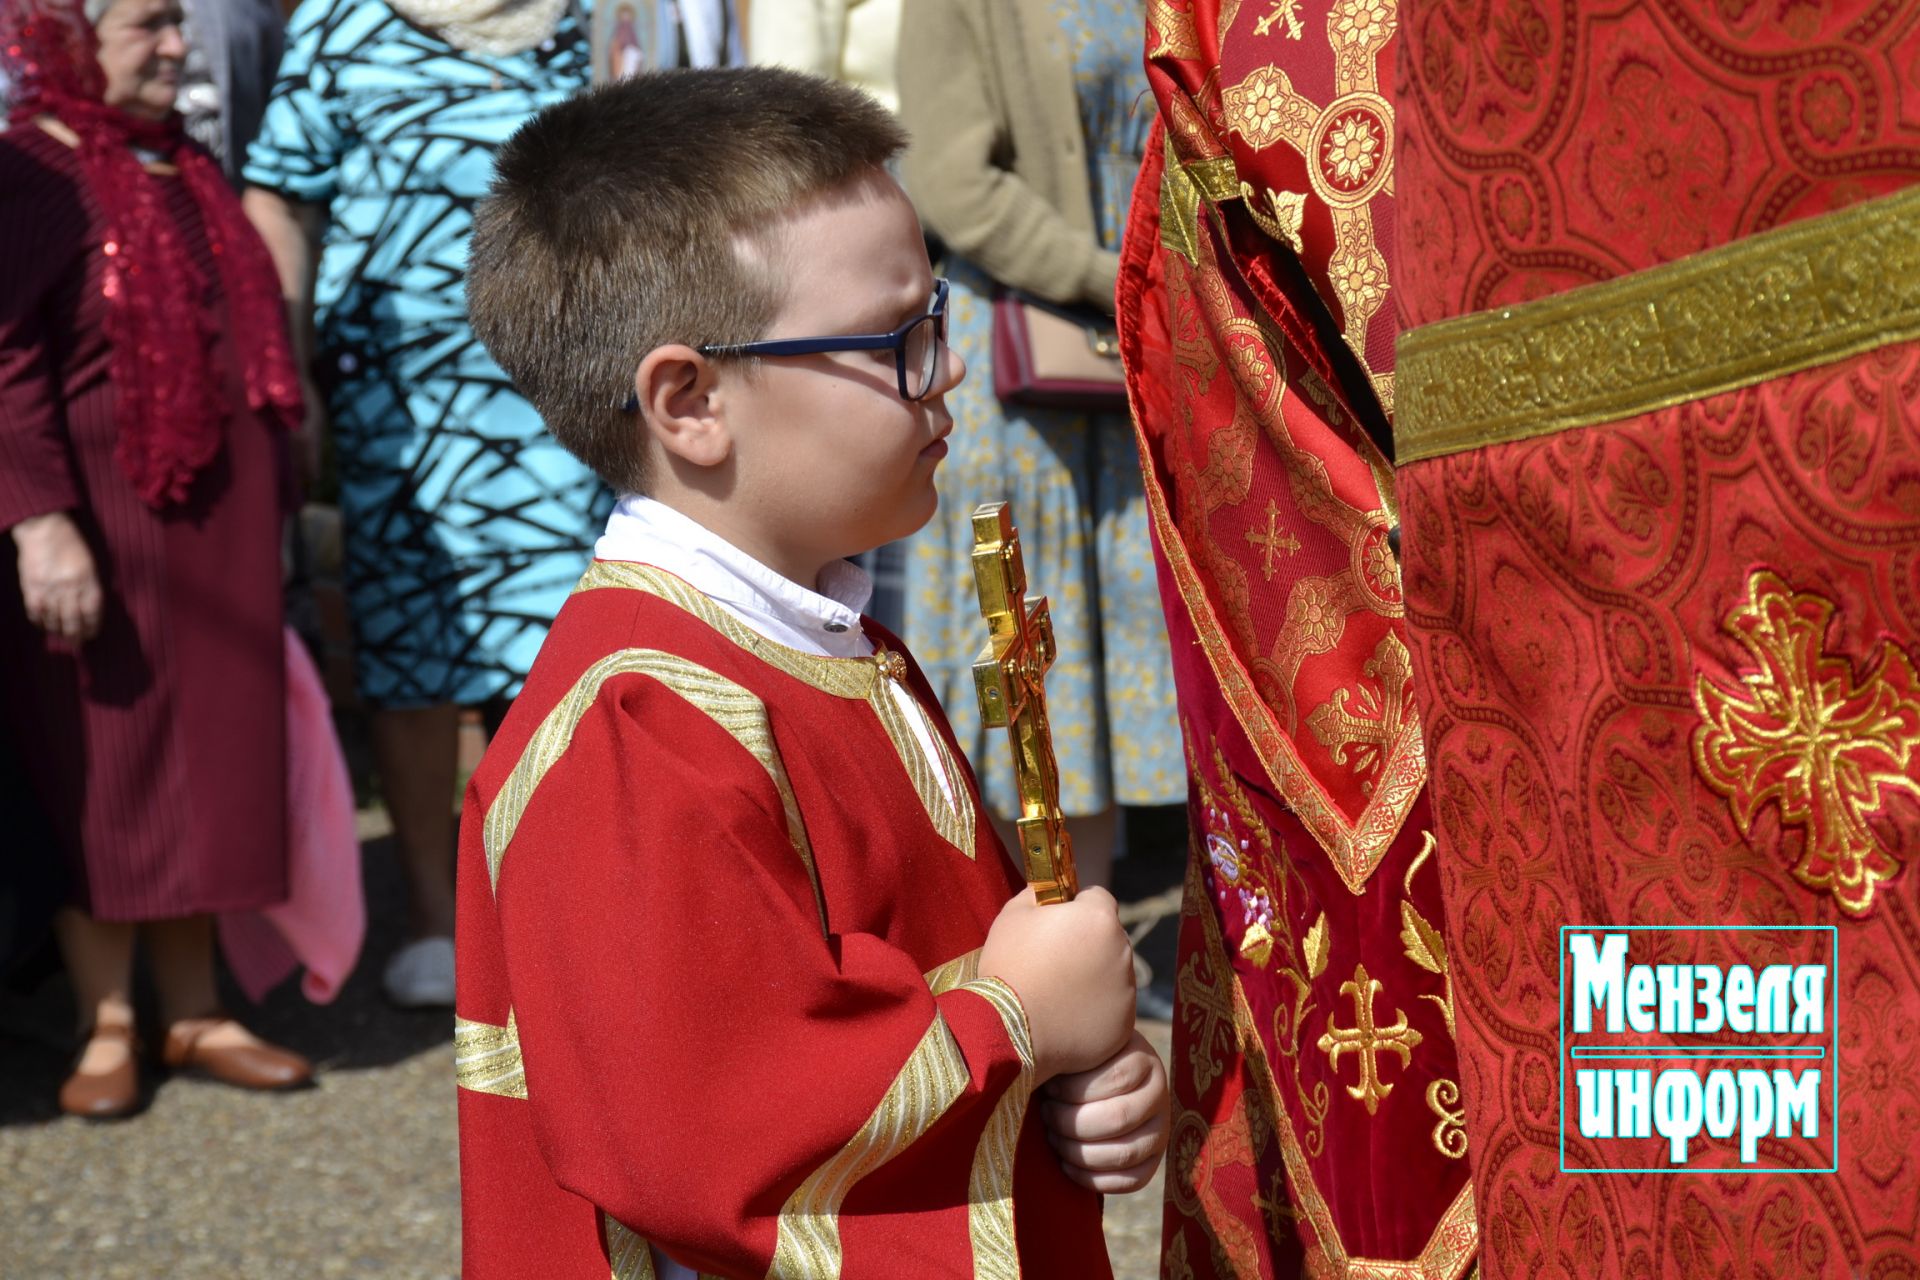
172	398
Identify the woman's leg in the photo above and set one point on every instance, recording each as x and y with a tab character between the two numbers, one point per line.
415	750
198	1033
99	959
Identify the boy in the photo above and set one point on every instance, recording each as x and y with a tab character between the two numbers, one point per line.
740	985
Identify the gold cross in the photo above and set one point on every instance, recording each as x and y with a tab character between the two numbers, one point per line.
1805	732
1009	679
1367	1039
1274	539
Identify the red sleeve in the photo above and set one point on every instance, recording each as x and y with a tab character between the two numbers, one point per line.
40	218
703	1061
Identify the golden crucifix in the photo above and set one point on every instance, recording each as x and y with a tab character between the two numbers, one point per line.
1009	678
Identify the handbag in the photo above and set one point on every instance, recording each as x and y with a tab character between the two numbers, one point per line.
1052	357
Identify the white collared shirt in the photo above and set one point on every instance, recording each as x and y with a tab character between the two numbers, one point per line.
825	623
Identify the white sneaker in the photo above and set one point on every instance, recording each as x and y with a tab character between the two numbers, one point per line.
420	975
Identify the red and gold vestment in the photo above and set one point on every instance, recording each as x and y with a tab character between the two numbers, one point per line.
718	991
1318	1126
1659	439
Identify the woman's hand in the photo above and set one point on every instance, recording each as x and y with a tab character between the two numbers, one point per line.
57	578
1109	1125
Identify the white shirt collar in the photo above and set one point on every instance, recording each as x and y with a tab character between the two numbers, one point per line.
825	622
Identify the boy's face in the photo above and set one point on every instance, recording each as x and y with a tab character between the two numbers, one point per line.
831	461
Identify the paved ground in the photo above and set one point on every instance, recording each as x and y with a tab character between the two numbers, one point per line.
356	1177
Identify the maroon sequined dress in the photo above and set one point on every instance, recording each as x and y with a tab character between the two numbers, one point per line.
158	748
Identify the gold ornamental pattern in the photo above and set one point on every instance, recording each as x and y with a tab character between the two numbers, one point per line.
1804	733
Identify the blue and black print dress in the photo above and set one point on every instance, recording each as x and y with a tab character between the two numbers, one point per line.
466	523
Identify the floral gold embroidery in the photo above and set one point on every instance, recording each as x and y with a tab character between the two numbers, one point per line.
1264	109
1450	1135
1368	1040
1287	11
1804	733
1359	727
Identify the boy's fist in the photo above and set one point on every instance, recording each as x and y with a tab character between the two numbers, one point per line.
1109	1125
1072	967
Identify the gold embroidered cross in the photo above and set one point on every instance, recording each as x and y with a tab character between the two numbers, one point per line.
1274	539
1802	732
1368	1039
1009	679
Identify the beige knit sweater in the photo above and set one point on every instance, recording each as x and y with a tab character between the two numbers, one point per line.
998	165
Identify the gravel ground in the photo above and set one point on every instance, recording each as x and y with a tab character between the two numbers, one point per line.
355	1177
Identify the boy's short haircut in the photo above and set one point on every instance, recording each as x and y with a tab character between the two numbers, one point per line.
616	224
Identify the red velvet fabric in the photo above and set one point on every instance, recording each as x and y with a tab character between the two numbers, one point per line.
1584	606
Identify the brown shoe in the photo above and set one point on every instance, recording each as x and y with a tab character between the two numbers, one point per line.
109	1095
247	1066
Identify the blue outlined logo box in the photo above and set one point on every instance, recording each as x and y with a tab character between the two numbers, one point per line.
1778	1056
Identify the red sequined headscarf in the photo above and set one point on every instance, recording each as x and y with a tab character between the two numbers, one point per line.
172	396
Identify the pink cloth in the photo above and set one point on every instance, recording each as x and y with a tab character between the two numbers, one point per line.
324	919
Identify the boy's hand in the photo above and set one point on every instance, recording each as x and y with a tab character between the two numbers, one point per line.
1109	1125
1072	967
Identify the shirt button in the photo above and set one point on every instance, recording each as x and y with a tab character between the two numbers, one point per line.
836	627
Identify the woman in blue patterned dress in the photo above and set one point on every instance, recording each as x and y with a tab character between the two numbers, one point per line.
1027	135
466	524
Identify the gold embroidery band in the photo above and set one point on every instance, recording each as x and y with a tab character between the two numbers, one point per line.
628	1256
1799	296
996	1251
486	1058
727	704
808	1230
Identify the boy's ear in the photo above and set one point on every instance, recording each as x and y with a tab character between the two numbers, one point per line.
677	387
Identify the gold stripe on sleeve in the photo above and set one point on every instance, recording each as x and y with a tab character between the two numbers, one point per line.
808	1230
486	1058
956	972
628	1254
996	1254
731	707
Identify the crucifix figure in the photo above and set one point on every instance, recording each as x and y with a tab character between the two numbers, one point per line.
1367	1039
1008	677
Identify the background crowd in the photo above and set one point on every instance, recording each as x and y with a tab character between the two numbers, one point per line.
172	174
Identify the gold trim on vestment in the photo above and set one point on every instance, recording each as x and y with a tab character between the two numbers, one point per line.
1453	1243
1802	295
956	972
950	810
486	1058
727	704
996	1253
628	1254
807	1233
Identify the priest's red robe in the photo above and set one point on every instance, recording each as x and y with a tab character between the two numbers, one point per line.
718	939
1659	435
1318	1125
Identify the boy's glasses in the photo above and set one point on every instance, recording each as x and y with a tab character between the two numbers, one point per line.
917	348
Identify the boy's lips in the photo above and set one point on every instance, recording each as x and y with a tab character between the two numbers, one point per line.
938	448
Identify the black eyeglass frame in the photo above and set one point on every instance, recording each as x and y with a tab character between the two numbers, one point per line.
895	341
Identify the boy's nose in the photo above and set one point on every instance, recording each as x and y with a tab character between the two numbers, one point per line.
953	370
